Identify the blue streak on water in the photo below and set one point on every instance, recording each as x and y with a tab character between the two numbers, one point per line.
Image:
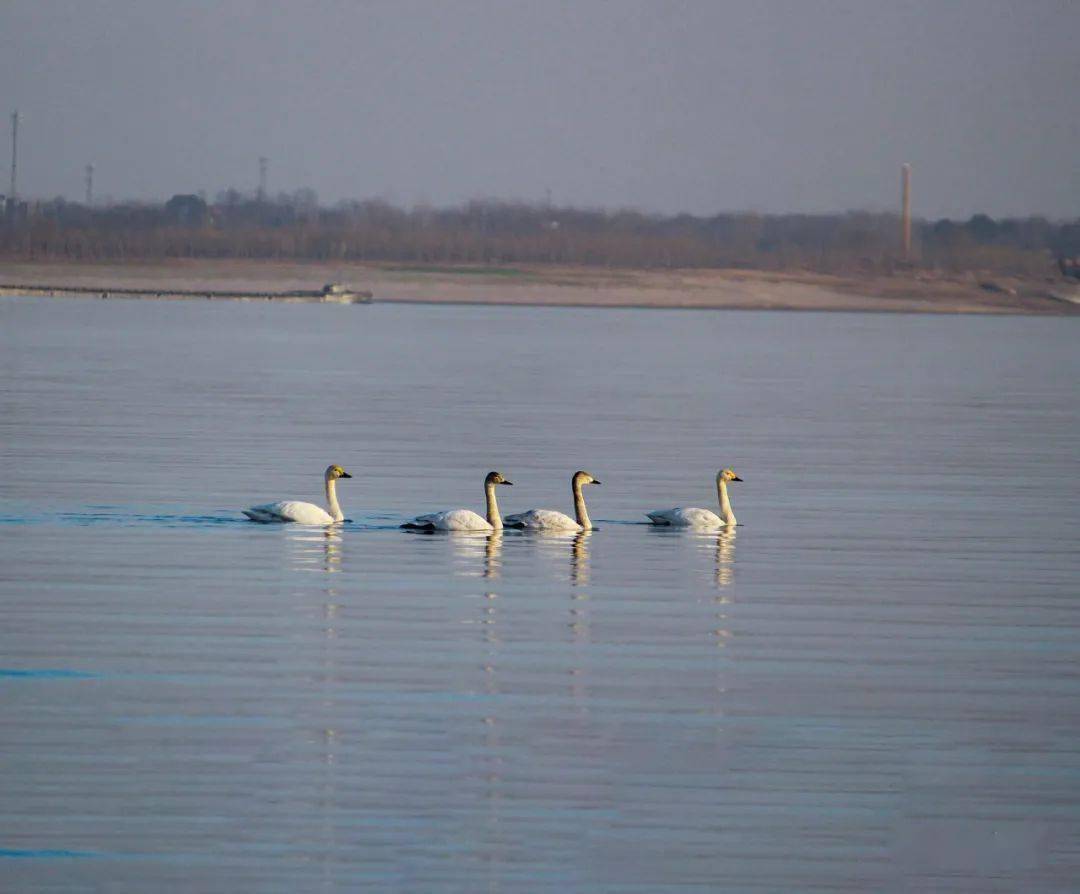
45	854
117	517
46	674
120	517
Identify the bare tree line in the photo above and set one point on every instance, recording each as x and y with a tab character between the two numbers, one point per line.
496	232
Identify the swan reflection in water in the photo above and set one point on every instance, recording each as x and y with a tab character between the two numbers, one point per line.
314	549
492	554
579	598
580	630
559	544
579	558
718	544
492	565
723	545
320	551
489	550
476	555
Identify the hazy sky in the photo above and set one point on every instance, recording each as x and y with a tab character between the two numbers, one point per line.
664	105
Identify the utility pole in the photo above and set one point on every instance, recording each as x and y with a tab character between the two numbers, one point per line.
263	162
14	150
89	185
905	210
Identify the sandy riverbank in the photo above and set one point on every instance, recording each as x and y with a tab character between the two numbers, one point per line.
561	286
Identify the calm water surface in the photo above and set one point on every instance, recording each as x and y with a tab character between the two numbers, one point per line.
872	684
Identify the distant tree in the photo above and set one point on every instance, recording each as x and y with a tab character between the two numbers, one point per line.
187	211
292	225
229	197
1066	242
983	229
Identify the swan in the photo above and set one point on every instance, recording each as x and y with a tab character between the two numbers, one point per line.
549	520
701	518
465	519
304	513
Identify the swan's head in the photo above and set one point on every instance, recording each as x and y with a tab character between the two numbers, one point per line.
727	475
333	473
495	478
583	478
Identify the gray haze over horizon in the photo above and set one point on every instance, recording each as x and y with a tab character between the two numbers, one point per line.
664	106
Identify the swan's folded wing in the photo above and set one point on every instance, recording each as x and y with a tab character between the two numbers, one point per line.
542	519
262	513
463	520
451	520
290	511
685	518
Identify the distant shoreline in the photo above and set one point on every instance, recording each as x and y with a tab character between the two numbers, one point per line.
324	295
545	286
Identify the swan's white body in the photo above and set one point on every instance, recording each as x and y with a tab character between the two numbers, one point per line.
693	517
465	519
687	518
304	513
550	520
291	511
452	520
543	520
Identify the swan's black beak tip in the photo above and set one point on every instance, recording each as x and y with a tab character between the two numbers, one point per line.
736	478
597	482
511	483
346	475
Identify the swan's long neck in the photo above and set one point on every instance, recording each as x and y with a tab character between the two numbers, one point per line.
579	507
725	503
331	500
493	517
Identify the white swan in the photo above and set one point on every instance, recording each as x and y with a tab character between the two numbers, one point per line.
549	520
304	513
701	518
465	519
